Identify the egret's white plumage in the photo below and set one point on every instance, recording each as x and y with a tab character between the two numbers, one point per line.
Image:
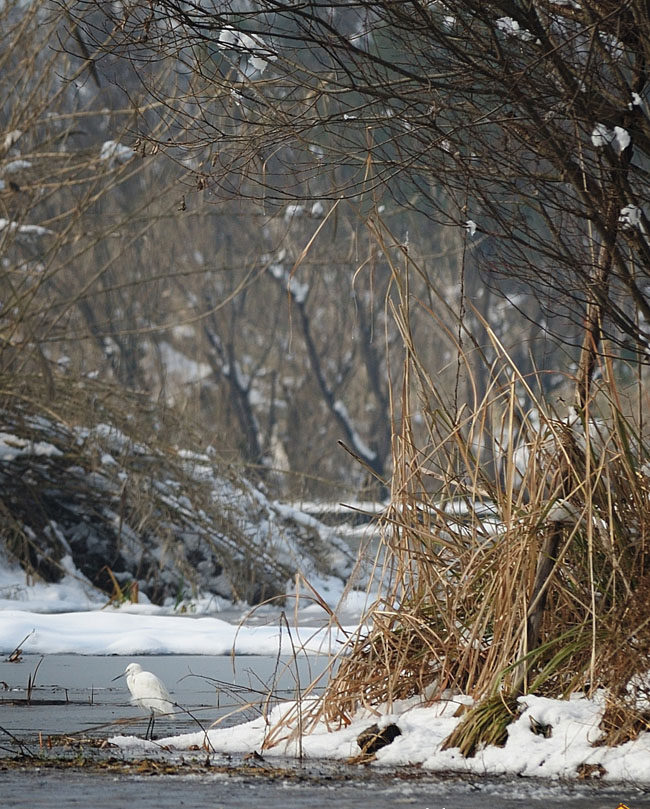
147	691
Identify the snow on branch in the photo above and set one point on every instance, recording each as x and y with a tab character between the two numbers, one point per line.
252	46
358	444
115	154
512	28
298	294
618	138
297	290
24	233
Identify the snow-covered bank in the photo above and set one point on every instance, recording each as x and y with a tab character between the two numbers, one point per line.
117	632
160	523
74	593
73	617
568	752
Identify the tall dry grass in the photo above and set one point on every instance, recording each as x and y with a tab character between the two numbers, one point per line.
528	572
516	552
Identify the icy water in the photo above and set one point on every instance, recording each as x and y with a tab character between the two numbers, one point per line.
36	790
71	701
76	694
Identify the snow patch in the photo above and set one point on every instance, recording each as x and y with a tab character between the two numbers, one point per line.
15	166
630	217
512	28
12	447
252	46
115	153
617	137
24	233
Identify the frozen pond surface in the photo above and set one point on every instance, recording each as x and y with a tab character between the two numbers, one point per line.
74	696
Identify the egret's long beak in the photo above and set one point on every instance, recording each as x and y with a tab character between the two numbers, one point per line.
118	676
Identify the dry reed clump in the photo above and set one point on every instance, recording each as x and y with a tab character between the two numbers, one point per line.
516	547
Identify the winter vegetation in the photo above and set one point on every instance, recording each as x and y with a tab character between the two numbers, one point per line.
141	522
257	252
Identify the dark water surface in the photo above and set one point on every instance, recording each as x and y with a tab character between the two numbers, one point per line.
34	789
75	694
74	697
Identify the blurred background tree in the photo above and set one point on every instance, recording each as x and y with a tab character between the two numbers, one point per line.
212	180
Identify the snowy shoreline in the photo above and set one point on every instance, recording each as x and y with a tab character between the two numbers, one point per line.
90	628
568	753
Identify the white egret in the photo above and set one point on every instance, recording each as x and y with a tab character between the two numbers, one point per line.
147	691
